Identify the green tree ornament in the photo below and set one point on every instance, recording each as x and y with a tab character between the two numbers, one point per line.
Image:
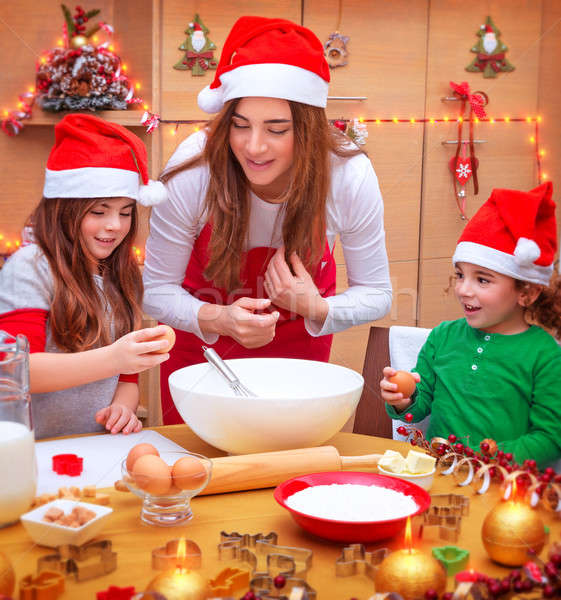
198	50
490	50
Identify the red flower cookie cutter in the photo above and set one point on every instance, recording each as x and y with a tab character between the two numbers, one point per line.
68	464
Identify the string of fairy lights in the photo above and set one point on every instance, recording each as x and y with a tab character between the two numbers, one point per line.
10	242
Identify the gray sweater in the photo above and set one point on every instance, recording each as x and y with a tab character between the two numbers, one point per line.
26	282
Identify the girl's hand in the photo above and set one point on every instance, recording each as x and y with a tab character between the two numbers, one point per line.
297	293
239	321
389	393
134	352
117	417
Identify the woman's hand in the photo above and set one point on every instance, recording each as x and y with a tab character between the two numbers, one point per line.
117	417
240	321
297	293
389	393
134	352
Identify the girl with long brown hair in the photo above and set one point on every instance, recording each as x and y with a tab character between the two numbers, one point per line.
241	256
77	288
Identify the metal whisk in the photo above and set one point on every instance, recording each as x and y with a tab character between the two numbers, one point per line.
237	386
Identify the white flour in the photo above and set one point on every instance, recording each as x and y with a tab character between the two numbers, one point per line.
352	502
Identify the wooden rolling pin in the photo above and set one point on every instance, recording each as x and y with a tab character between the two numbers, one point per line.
254	471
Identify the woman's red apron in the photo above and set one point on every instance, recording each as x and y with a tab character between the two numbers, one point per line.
291	338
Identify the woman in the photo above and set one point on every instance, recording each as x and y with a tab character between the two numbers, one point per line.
241	256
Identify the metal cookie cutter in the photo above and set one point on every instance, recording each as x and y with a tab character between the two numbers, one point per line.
450	504
165	557
286	560
228	581
48	585
354	560
84	562
241	547
444	517
263	586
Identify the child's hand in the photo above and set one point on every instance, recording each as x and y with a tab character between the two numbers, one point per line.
117	417
135	351
389	393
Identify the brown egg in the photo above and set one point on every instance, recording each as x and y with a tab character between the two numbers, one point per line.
137	451
406	383
152	475
188	473
169	336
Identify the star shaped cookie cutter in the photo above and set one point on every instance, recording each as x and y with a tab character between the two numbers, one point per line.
84	562
354	560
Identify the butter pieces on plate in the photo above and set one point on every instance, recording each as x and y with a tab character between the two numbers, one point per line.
415	463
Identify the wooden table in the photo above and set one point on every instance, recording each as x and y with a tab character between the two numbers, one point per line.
249	512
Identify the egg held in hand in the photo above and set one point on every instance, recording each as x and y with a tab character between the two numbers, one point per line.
152	475
406	383
188	473
137	451
168	336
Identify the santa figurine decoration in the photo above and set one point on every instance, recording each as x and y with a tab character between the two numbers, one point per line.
198	50
490	51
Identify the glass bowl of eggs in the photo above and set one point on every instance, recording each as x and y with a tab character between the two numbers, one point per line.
166	482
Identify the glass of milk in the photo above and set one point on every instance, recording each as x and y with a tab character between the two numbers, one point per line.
18	467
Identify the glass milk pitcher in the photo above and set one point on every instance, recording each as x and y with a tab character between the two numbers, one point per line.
18	467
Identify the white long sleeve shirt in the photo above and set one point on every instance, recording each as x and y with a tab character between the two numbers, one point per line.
355	212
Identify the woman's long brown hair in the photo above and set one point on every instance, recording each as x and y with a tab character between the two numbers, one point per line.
79	311
227	200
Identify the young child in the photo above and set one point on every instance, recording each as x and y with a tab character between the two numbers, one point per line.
491	374
78	287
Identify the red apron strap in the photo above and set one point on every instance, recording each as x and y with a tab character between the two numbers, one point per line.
291	338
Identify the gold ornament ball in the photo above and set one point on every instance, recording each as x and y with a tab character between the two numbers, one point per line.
7	576
78	41
188	585
410	574
510	530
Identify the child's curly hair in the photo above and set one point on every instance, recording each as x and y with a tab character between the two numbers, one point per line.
546	308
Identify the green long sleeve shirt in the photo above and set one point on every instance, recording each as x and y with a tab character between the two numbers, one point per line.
488	385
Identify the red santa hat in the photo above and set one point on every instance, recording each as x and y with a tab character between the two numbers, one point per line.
270	58
92	158
513	233
488	28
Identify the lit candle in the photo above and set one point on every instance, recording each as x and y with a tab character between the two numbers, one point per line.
410	572
179	583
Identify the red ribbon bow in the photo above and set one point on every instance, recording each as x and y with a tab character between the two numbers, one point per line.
492	59
200	57
477	100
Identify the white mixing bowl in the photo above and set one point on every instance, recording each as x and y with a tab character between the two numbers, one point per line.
299	403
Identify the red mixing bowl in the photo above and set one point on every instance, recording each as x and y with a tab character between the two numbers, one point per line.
350	531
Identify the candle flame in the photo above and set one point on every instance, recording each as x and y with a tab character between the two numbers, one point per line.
408	536
181	550
180	556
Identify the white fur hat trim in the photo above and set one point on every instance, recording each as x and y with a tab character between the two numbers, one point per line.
526	251
153	193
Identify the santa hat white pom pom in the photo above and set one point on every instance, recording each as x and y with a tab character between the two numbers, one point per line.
211	101
153	193
526	252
